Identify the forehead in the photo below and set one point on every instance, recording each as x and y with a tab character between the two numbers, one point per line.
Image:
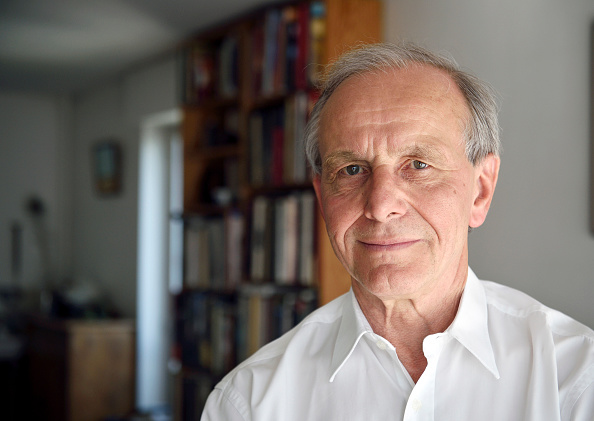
419	100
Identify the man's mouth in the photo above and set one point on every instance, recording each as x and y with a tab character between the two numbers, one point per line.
387	245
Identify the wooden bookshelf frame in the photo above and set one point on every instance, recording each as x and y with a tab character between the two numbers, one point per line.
348	23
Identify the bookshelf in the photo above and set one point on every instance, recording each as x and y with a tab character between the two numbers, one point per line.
256	255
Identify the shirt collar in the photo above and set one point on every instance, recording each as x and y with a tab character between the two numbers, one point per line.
352	328
469	327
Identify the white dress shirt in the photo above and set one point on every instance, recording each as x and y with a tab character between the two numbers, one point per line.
504	357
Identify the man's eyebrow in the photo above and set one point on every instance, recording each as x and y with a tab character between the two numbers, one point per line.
431	153
418	151
339	158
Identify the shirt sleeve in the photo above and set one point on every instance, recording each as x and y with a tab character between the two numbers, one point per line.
583	410
581	404
221	407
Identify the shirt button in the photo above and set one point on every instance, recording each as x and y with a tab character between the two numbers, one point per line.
416	405
381	345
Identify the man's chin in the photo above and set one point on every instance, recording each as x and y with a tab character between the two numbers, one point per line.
391	281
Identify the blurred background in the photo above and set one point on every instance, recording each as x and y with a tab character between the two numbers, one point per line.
84	83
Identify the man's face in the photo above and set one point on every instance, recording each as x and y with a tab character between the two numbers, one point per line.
396	190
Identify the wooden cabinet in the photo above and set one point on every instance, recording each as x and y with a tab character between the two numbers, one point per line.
80	370
256	254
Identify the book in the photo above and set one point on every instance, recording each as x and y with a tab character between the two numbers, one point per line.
258	239
256	138
228	67
202	73
282	239
298	161
291	141
195	391
254	318
290	239
222	317
307	210
215	231
291	34
234	246
317	33
271	50
191	253
257	57
266	314
303	46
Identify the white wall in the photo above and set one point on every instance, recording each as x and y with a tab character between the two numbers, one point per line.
105	229
35	160
536	54
45	150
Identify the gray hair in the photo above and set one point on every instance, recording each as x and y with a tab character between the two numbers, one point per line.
482	131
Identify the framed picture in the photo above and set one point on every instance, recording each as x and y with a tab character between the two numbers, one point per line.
107	167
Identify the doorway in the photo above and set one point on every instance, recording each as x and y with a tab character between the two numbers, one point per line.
160	245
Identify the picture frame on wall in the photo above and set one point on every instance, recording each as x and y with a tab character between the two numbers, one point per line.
107	167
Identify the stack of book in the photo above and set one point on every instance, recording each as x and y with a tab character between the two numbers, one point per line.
287	49
212	71
267	313
277	156
282	239
206	334
212	252
214	332
195	391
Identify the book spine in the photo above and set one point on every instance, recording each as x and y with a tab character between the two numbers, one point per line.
317	33
303	46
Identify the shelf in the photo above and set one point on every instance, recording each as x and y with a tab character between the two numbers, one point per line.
226	294
213	103
209	153
269	101
202	210
281	189
254	269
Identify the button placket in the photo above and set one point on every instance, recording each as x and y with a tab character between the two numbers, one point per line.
420	404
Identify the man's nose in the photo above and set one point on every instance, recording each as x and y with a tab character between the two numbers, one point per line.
385	198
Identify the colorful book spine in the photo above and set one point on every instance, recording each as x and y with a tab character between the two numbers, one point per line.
287	47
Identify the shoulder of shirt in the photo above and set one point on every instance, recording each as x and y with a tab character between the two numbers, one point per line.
519	304
328	314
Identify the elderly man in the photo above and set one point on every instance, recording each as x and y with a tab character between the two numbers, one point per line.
405	151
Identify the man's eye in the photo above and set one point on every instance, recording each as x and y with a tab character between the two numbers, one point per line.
352	169
419	165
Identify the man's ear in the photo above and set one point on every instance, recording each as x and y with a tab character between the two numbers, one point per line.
486	174
317	185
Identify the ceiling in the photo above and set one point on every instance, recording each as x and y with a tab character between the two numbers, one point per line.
63	46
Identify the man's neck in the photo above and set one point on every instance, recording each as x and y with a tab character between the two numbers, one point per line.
406	322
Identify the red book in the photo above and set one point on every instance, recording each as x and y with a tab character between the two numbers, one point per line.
301	60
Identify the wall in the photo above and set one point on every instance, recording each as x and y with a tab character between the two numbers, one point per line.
35	161
536	238
536	54
105	228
